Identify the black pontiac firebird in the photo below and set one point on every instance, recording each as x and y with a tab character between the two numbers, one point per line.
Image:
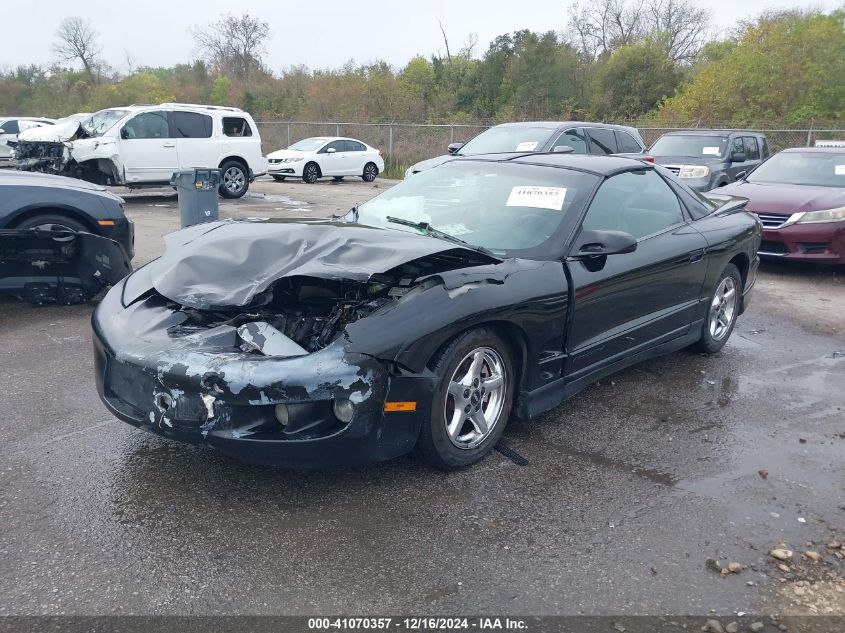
488	287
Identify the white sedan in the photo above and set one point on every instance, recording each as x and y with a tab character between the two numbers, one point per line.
320	156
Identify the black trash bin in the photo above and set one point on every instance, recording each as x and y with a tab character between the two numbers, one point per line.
197	190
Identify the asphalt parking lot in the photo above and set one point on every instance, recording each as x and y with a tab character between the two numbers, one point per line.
636	492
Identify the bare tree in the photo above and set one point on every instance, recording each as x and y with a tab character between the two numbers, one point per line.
234	44
605	25
445	41
130	61
76	39
682	24
602	26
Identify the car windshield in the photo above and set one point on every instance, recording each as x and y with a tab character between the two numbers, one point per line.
690	145
100	122
507	139
507	208
820	169
308	144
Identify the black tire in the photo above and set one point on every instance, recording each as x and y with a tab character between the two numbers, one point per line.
466	445
337	178
53	221
310	173
370	172
278	178
234	180
715	332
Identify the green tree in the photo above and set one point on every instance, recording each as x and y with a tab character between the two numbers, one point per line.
633	81
785	67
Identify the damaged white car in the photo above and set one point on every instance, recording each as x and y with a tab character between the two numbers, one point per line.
140	146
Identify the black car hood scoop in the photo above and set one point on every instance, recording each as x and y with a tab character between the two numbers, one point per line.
230	263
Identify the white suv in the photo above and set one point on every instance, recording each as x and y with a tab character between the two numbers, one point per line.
142	145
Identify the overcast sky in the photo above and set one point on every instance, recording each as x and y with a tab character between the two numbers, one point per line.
316	33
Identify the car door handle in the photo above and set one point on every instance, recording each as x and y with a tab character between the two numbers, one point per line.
169	145
697	255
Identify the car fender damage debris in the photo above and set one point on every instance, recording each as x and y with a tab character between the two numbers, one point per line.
68	150
59	266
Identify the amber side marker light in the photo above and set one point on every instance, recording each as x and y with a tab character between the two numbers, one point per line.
393	407
105	222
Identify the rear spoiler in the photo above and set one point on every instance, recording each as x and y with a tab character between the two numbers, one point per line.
726	204
59	266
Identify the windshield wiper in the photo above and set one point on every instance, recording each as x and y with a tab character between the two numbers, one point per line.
429	230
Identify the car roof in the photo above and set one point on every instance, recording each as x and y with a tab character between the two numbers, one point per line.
598	165
815	150
699	132
556	124
333	138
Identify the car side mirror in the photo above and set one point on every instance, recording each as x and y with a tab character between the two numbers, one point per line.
2	131
123	133
331	150
454	147
563	149
738	157
602	243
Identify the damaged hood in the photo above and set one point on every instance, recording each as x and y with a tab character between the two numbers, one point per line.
62	132
230	263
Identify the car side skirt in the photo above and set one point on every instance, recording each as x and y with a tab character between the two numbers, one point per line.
533	403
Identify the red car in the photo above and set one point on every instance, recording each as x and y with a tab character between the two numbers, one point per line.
799	196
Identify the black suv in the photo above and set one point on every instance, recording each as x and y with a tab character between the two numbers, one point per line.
706	159
577	137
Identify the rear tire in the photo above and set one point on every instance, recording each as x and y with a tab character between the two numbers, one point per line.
472	401
234	180
370	172
723	310
310	173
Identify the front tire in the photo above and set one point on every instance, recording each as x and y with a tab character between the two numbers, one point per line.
472	402
234	180
310	173
370	172
52	222
722	312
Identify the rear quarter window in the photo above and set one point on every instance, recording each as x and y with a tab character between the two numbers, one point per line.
236	126
626	143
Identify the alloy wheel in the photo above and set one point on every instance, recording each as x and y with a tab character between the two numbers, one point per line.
234	179
723	308
475	398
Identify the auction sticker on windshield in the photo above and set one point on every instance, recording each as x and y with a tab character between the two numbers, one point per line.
528	146
537	197
839	170
711	151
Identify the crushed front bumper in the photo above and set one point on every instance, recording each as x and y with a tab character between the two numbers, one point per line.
199	390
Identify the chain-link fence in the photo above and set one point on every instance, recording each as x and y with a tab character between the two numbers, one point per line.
403	144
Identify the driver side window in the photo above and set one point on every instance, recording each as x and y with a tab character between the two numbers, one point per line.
636	202
574	139
147	125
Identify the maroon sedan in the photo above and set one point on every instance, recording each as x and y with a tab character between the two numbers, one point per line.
799	196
